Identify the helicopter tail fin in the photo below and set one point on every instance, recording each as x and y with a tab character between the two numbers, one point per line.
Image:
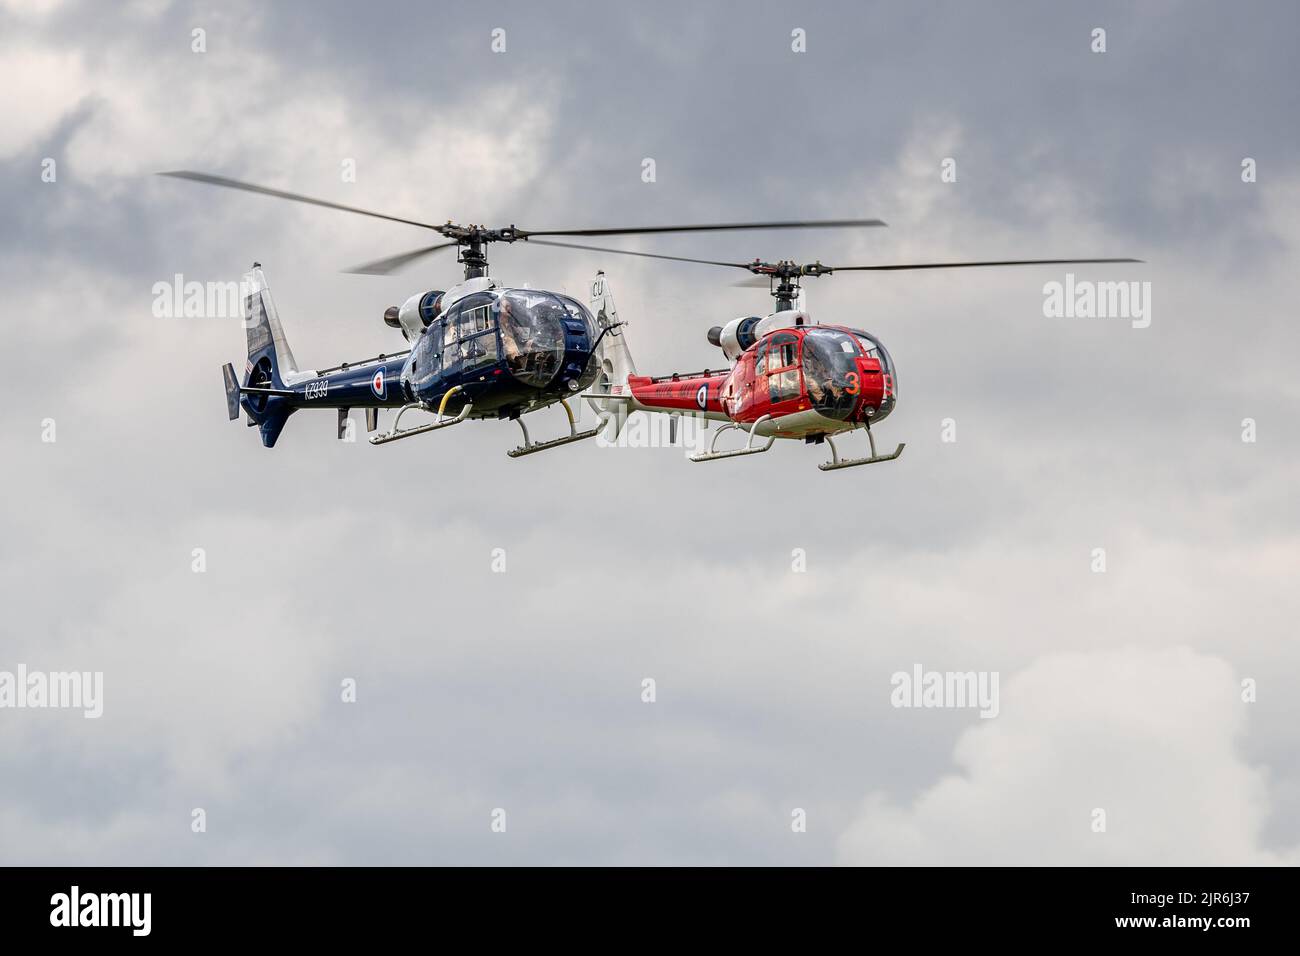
615	361
271	368
265	334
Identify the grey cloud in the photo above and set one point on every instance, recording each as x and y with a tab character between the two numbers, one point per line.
522	690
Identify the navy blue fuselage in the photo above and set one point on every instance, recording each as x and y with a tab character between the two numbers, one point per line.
507	351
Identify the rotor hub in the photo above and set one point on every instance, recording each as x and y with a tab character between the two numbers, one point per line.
785	275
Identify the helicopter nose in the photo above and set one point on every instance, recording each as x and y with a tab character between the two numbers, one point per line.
871	382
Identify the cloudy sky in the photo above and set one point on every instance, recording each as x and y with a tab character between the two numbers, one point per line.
327	561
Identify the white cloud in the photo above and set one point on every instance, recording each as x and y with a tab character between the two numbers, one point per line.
33	9
40	87
1150	736
522	689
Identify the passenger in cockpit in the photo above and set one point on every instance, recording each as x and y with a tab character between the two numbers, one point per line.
815	374
532	334
528	351
509	342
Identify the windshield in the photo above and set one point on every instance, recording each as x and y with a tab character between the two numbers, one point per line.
579	312
532	334
830	372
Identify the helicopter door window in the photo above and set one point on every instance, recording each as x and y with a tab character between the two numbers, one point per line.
782	370
783	385
465	329
426	362
781	351
480	350
450	342
473	321
466	319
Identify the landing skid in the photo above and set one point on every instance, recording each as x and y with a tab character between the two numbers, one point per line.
749	449
837	462
394	433
530	447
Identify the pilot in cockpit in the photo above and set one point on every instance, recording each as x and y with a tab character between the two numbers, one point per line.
815	376
519	336
509	332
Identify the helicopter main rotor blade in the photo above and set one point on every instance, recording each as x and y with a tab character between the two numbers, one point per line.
633	252
966	265
294	197
708	227
383	267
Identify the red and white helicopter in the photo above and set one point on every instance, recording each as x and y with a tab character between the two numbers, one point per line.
788	377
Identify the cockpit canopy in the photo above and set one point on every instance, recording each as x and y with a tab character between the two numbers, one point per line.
840	371
533	325
830	371
524	327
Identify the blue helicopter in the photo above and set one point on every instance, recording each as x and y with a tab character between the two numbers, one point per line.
476	350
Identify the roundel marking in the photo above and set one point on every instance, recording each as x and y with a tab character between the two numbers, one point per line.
377	383
702	396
